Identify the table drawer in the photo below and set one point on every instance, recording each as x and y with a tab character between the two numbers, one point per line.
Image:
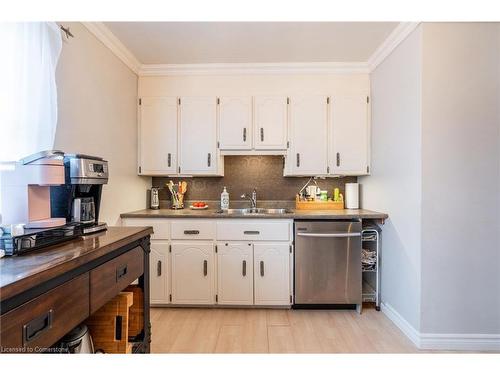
42	321
253	230
161	227
110	278
193	230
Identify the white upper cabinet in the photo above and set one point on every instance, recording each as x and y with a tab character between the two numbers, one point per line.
308	134
350	135
235	122
198	136
157	135
270	125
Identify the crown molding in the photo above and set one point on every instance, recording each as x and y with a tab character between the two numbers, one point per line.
103	34
390	43
253	68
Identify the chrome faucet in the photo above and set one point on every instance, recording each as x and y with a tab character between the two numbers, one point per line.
252	199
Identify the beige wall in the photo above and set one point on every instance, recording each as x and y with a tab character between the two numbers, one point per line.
98	116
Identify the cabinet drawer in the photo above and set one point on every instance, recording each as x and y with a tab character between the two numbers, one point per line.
253	230
193	230
110	278
45	319
161	227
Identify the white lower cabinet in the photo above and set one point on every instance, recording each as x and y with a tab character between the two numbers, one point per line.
235	273
272	274
193	273
159	273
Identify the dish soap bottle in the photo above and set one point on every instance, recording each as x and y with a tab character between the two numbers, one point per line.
224	200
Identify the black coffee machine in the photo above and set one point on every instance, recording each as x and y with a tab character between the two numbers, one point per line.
79	199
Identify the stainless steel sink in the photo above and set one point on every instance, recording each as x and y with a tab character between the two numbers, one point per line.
255	211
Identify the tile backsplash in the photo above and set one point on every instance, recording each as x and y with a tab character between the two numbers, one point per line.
242	174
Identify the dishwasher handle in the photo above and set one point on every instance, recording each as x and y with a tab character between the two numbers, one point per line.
330	235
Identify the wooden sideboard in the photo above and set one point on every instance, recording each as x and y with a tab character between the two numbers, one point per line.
45	294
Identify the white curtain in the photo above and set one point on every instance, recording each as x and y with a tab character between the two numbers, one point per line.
28	95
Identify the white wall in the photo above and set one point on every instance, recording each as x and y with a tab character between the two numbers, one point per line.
460	179
395	182
97	97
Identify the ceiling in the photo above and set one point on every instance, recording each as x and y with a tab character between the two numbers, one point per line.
251	42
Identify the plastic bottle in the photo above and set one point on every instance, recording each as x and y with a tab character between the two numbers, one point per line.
224	200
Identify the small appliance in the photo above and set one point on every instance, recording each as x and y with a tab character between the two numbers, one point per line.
154	198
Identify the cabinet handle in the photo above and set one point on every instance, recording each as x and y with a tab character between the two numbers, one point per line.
298	160
191	232
244	134
120	272
169	159
262	134
338	159
251	232
158	268
37	327
262	268
244	271
209	159
205	268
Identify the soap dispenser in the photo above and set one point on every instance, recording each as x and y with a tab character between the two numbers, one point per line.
224	200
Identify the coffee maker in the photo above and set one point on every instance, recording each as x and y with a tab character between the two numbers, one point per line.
79	199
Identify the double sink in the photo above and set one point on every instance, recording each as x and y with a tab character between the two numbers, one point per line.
255	211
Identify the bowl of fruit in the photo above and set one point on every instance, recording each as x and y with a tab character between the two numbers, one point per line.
199	206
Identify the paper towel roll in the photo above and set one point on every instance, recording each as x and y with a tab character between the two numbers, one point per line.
352	195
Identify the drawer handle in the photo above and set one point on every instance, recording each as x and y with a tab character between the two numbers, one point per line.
37	327
244	271
251	232
191	232
205	268
262	268
158	268
120	272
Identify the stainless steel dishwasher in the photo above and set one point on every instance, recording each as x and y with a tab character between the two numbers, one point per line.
328	263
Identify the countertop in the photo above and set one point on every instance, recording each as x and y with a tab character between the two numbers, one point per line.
295	214
19	273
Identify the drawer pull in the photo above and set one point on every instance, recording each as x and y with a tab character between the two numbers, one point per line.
37	327
205	268
262	268
244	271
191	232
120	272
251	232
158	268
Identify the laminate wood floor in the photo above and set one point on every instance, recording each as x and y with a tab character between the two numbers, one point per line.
210	330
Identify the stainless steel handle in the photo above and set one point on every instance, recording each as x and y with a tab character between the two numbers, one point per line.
262	134
244	134
244	271
158	268
338	159
330	235
298	160
205	268
262	268
169	159
191	232
251	232
209	159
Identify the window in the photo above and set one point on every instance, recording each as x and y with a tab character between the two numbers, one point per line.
28	95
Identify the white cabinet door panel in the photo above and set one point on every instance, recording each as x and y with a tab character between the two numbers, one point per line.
235	273
235	122
272	273
158	135
159	272
270	126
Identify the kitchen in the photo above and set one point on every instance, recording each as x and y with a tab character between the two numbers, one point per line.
282	191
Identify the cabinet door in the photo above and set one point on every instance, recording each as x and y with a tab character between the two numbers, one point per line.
158	136
193	273
308	126
270	123
272	273
235	273
198	135
159	272
350	135
235	123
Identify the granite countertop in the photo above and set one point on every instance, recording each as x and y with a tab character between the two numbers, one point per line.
294	214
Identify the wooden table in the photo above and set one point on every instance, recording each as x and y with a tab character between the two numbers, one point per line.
46	293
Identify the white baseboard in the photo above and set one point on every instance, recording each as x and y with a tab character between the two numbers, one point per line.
442	341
